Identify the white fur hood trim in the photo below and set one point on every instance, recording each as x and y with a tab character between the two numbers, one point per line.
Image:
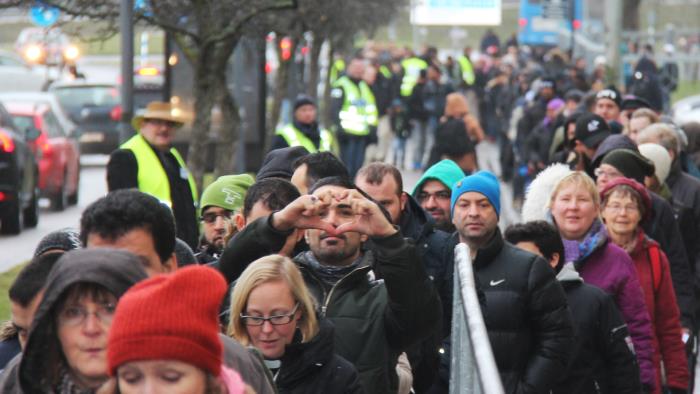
538	194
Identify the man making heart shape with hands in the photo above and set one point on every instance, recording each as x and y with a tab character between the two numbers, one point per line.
375	319
337	221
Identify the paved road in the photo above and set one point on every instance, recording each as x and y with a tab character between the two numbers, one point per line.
18	248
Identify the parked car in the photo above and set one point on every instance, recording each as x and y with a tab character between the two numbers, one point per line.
56	150
19	177
96	110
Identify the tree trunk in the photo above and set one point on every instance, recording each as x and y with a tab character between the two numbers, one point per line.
205	82
314	67
280	91
327	90
227	147
631	13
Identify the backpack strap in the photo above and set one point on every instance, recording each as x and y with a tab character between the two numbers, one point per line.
655	259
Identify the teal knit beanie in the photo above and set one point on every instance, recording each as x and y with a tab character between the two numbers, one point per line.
446	172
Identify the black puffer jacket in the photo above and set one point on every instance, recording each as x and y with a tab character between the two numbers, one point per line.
601	360
437	256
435	252
314	367
527	319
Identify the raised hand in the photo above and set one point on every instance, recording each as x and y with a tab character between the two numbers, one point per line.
305	213
369	219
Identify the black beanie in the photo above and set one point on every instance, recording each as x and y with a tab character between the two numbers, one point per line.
630	163
65	239
278	162
303	100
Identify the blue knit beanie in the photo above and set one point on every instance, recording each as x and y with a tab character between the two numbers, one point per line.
482	182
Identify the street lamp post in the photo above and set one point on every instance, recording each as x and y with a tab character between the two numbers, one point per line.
126	16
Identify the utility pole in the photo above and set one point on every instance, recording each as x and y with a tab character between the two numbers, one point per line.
126	16
613	23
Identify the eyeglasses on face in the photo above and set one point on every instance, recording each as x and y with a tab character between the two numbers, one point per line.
162	122
598	172
277	320
444	195
74	315
616	208
211	217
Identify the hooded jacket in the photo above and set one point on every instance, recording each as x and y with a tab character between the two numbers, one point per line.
526	316
375	319
445	171
115	270
314	367
437	254
663	311
601	360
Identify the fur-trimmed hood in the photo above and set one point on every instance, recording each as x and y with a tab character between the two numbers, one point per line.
538	194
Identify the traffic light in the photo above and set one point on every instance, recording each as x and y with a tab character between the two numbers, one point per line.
286	48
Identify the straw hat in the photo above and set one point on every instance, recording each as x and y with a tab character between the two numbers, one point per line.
159	110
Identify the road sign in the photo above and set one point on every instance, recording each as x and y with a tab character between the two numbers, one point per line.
456	12
43	15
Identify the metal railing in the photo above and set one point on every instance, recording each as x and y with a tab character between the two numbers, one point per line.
473	369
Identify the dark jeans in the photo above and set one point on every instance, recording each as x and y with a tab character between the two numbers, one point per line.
352	153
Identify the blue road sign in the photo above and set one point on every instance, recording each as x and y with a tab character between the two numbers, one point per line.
43	15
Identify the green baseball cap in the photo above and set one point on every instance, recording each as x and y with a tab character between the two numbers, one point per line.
227	192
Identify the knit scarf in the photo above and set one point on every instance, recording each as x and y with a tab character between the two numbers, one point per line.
330	275
576	251
68	386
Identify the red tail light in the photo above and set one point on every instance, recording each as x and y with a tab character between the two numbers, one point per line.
3	196
46	150
116	113
6	142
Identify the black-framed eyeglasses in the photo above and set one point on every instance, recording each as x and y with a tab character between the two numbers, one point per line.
277	320
210	217
443	195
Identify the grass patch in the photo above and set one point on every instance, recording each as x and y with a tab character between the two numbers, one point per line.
6	279
685	89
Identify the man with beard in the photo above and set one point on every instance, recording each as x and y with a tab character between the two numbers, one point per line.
221	200
434	189
375	319
383	182
524	307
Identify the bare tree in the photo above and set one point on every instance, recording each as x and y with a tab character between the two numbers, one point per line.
207	32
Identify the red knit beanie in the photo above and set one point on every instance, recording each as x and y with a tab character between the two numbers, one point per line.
636	186
170	317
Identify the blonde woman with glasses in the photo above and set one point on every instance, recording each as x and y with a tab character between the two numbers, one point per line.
272	310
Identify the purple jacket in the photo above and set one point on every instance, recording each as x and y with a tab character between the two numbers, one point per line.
610	268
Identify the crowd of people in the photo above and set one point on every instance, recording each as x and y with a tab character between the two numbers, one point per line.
321	274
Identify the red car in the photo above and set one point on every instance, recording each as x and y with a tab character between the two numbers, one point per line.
56	150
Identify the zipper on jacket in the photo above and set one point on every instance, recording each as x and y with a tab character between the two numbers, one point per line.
324	308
